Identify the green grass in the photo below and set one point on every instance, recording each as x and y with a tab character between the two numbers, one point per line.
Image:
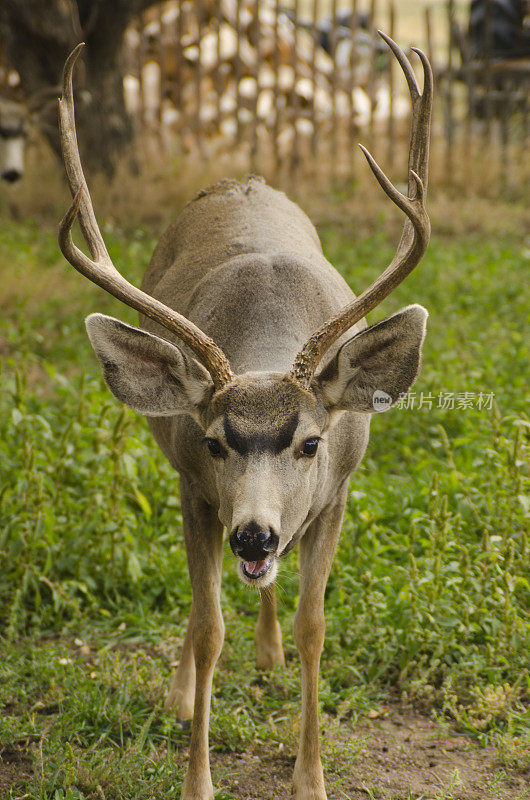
429	596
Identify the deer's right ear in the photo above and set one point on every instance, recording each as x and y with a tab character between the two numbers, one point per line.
145	372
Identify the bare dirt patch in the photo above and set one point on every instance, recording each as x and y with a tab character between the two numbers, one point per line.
16	767
399	756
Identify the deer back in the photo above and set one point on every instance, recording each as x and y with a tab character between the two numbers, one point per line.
245	264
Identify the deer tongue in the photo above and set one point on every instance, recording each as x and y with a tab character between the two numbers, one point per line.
255	567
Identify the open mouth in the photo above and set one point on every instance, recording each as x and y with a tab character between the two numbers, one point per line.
256	569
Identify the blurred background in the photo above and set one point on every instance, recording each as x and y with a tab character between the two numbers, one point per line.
283	88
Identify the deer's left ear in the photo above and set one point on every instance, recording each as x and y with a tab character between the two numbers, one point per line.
370	371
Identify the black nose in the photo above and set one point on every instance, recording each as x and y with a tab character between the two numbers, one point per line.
11	175
251	542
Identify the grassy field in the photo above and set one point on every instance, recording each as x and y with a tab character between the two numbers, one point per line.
428	601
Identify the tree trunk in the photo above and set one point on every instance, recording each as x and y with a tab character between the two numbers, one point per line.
37	36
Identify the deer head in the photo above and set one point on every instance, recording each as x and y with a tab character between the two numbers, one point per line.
13	132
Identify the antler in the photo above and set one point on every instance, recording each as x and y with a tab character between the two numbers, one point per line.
416	230
101	270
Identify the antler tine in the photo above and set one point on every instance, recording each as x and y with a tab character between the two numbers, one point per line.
73	166
416	230
101	270
404	63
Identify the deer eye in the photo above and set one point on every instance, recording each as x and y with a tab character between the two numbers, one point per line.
310	446
215	447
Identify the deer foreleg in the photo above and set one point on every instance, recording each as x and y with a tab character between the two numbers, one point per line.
204	542
317	549
181	695
268	634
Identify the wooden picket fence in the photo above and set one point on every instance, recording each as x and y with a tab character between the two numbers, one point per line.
277	89
286	88
484	106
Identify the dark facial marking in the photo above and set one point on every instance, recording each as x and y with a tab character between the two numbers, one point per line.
260	442
7	132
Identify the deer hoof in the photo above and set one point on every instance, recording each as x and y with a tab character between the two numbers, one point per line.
269	650
181	703
268	657
310	793
308	785
197	787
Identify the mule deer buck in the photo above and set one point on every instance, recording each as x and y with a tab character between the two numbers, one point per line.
13	132
258	375
19	122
